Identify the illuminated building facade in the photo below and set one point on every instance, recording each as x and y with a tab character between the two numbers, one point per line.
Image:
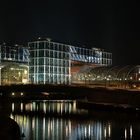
56	63
13	64
49	62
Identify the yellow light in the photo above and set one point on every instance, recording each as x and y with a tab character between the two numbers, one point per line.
24	81
25	71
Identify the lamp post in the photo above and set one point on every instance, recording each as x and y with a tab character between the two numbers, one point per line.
0	73
85	78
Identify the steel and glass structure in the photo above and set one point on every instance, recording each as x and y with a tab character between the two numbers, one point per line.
49	62
94	56
56	63
111	76
13	64
15	53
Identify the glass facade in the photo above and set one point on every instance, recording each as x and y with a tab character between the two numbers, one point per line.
49	63
94	55
13	64
14	74
52	62
14	53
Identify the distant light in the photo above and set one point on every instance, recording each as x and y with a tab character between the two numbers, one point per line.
13	94
109	130
134	86
125	133
131	77
131	132
16	45
25	71
24	81
105	132
139	71
98	76
13	106
21	94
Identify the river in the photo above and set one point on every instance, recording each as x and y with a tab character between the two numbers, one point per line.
62	120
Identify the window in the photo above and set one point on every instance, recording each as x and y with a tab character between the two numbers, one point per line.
41	69
41	53
40	78
41	61
41	45
31	70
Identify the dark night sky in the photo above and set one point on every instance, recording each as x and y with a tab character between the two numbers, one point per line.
110	24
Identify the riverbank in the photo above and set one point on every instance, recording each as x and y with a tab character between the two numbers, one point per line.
99	97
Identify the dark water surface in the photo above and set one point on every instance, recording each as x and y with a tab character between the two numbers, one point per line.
62	120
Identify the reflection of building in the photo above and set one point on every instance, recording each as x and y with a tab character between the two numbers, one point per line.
13	64
56	63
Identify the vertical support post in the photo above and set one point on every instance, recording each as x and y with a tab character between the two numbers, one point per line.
0	76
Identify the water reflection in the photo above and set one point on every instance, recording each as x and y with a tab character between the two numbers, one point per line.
58	106
45	127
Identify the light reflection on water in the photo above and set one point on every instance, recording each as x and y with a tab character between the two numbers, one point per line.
45	127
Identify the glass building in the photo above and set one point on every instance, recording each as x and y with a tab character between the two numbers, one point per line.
56	63
49	62
15	53
13	64
93	56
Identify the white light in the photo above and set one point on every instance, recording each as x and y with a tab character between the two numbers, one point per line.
125	133
131	132
109	130
13	106
21	94
107	79
13	94
105	132
21	106
98	76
